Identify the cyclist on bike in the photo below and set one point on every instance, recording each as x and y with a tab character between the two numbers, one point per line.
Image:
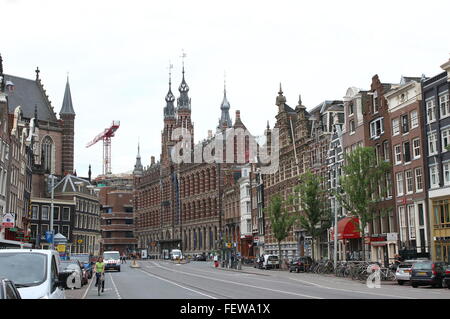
100	270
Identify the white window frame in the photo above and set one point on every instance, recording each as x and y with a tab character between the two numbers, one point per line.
409	178
402	223
374	130
434	172
432	144
398	154
431	110
399	184
414	119
444	104
416	148
445	139
419	179
446	170
411	221
396	126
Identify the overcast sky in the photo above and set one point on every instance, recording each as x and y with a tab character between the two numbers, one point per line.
117	54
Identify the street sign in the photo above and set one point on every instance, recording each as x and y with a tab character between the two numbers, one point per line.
49	237
61	248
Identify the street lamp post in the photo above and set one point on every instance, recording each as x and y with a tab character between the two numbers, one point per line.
52	244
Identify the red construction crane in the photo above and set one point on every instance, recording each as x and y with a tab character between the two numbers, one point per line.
106	137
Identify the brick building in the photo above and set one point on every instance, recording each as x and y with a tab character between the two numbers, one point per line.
117	222
406	117
181	205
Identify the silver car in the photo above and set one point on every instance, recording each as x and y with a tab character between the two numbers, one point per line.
403	273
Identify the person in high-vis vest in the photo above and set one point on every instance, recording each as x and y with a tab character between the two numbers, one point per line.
99	270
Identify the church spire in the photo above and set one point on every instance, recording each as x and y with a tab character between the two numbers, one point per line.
225	120
169	110
138	168
183	102
67	106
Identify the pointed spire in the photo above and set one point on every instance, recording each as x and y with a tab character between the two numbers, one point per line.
280	98
183	102
89	173
300	103
67	106
37	73
225	120
138	168
169	110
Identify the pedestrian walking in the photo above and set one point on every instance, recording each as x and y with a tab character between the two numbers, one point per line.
216	261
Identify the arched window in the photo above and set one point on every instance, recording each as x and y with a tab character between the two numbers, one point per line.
48	154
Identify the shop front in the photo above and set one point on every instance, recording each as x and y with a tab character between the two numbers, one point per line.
349	239
441	229
383	248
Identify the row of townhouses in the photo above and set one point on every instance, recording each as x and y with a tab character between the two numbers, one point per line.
205	206
36	164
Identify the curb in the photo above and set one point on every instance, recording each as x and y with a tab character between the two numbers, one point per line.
240	271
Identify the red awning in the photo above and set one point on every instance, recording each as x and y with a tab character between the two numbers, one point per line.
347	228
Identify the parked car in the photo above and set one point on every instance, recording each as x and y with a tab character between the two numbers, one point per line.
446	280
403	272
176	254
35	272
71	266
87	262
271	261
300	264
427	273
8	290
200	257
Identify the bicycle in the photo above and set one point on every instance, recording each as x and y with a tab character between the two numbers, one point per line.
100	284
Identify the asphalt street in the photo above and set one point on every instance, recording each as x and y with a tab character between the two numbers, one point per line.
200	280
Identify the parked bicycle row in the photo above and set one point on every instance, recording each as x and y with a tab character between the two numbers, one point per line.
418	272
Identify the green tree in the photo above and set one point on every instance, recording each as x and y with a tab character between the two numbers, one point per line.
281	221
363	186
315	214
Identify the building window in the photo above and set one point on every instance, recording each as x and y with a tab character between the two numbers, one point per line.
414	119
409	182
55	213
395	127
402	223
419	180
405	124
434	176
407	152
398	154
47	155
45	213
386	151
376	128
65	231
431	111
66	214
388	185
399	178
376	102
444	105
352	126
441	214
412	222
416	148
445	139
34	212
432	144
446	168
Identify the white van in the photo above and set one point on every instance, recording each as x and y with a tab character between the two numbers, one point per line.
111	260
35	272
176	254
271	261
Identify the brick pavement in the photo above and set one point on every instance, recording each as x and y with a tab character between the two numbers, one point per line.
78	293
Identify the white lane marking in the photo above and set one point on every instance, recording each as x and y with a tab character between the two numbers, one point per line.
352	291
242	284
173	283
89	287
115	287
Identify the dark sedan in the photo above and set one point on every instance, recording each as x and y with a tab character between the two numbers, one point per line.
428	273
300	264
446	280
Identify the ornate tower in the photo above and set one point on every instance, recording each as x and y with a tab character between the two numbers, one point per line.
225	120
169	125
138	168
67	116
